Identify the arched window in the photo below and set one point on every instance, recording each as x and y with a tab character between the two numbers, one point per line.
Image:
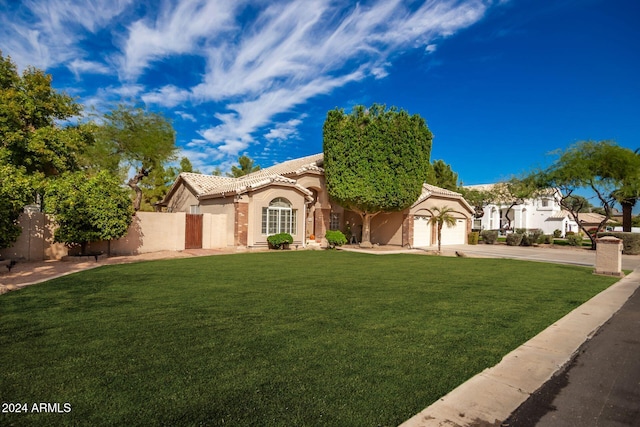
279	217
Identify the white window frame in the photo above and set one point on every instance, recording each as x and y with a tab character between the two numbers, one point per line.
279	217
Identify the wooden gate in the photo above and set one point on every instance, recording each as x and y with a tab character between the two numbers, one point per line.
193	232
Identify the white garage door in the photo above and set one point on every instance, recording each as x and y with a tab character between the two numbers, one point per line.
421	231
455	235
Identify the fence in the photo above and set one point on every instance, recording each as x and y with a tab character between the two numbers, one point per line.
149	232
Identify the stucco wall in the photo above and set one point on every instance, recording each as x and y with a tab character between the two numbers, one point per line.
221	206
149	232
182	199
386	228
36	240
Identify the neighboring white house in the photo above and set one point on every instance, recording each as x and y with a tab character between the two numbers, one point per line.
543	212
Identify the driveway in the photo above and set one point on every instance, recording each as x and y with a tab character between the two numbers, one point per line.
555	254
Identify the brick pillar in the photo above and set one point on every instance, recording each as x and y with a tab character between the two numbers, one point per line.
322	220
407	230
241	224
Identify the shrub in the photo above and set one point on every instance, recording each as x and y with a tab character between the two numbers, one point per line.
514	239
531	237
335	238
570	233
489	237
547	239
473	238
630	241
574	239
280	241
557	233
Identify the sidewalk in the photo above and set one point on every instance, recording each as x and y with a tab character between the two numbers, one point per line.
26	273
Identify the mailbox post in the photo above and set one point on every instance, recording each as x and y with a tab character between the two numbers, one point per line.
609	256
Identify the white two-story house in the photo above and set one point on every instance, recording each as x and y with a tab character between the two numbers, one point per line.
543	212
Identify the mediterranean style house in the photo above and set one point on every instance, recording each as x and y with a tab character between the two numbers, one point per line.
543	212
291	197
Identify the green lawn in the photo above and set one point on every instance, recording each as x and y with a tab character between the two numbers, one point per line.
280	338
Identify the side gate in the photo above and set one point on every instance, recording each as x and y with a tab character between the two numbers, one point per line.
193	231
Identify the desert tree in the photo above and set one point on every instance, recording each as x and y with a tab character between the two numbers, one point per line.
132	141
603	167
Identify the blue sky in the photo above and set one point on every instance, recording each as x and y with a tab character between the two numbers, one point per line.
500	83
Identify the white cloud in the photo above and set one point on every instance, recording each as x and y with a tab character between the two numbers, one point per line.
263	58
186	116
180	27
297	50
79	66
46	33
283	131
167	96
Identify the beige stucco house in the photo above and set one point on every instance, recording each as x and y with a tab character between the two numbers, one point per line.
291	197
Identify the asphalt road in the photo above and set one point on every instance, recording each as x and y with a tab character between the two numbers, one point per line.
600	387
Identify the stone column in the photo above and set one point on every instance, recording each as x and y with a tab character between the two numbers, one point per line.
241	224
322	220
407	231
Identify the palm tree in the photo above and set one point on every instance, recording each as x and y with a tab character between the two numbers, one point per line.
440	217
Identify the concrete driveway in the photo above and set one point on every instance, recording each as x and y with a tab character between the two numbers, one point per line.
555	254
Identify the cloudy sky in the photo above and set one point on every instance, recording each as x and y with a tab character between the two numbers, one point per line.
501	83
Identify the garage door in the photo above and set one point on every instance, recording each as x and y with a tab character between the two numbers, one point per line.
421	231
455	235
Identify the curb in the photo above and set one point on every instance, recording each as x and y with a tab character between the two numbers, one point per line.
490	397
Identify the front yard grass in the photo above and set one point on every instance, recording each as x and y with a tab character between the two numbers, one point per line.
271	339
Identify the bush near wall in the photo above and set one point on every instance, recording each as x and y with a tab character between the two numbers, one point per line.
514	239
335	238
473	238
574	239
489	237
280	241
630	241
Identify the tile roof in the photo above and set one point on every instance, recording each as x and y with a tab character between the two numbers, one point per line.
204	183
207	186
242	185
290	167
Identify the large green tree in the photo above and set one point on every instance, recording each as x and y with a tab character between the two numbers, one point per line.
375	160
36	140
133	139
88	208
35	132
16	190
602	167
